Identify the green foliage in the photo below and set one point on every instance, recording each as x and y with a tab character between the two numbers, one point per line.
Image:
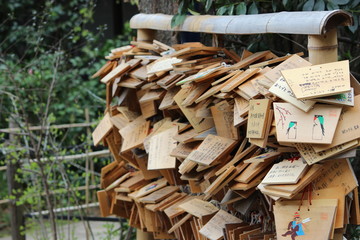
177	19
241	9
38	38
309	5
3	190
253	9
319	5
353	232
222	10
47	55
112	232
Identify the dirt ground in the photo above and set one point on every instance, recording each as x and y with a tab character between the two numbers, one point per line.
76	230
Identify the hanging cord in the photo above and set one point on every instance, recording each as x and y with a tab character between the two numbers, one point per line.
309	195
224	64
302	198
308	189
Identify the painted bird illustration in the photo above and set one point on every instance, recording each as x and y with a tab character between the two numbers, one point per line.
320	118
292	124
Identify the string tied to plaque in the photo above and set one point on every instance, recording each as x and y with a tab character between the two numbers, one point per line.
307	189
224	64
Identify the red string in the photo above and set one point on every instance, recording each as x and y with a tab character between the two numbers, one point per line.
302	198
308	189
309	193
293	159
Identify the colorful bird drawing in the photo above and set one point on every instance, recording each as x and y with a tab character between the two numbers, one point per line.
341	97
292	124
320	118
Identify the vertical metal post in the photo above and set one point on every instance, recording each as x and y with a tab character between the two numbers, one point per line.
17	219
323	48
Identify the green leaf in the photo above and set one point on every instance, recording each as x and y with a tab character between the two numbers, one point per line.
181	7
193	12
208	5
253	9
221	11
354	27
231	9
253	47
241	9
277	5
289	4
354	4
309	5
319	5
77	29
341	2
177	19
85	32
331	6
299	6
191	5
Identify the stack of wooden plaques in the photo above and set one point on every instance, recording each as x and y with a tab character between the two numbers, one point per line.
210	145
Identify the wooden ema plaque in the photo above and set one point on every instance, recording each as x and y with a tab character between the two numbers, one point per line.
258	114
319	80
211	149
282	90
134	133
285	172
347	129
200	135
315	222
214	228
199	124
316	126
102	129
161	145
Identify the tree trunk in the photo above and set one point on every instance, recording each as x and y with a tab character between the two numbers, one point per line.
161	6
17	219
